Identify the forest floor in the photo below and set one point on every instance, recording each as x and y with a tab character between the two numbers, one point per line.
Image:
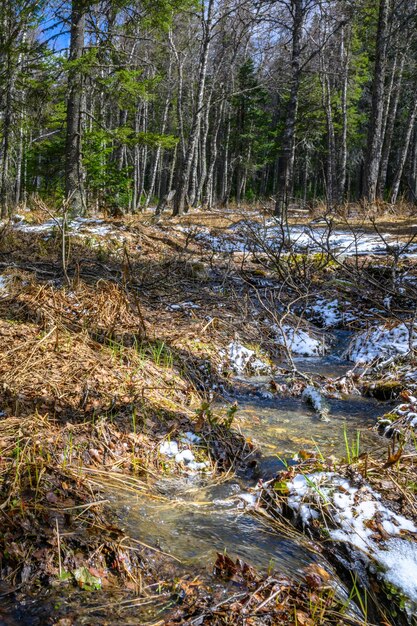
118	347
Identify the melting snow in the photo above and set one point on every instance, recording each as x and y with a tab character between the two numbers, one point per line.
182	306
326	313
82	226
399	559
243	360
250	236
247	500
380	342
3	283
299	342
355	511
407	418
169	448
315	399
185	457
190	438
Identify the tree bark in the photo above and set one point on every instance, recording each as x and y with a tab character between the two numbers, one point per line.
374	147
73	162
389	129
184	179
404	152
287	157
344	57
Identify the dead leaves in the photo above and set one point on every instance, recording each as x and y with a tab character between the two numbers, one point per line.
274	599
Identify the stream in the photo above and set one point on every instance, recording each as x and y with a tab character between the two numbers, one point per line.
198	518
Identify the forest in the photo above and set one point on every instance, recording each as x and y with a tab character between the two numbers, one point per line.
208	312
120	105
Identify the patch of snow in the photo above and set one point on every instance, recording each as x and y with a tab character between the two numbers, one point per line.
36	228
327	313
247	500
3	283
182	306
243	360
399	559
221	243
197	467
380	342
299	342
354	512
407	419
190	437
251	236
313	397
169	448
81	226
186	456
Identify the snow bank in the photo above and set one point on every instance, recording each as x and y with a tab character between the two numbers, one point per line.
243	360
299	342
380	342
361	520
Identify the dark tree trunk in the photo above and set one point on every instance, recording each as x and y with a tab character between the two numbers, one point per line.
287	156
73	158
375	138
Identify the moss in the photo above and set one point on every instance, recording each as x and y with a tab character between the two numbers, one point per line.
389	417
384	389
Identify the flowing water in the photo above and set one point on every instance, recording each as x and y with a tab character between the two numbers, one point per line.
200	519
197	519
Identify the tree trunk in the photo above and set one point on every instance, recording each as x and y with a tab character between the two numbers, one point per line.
344	57
375	138
7	130
209	187
331	146
389	129
404	152
159	149
287	157
413	171
184	178
73	163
